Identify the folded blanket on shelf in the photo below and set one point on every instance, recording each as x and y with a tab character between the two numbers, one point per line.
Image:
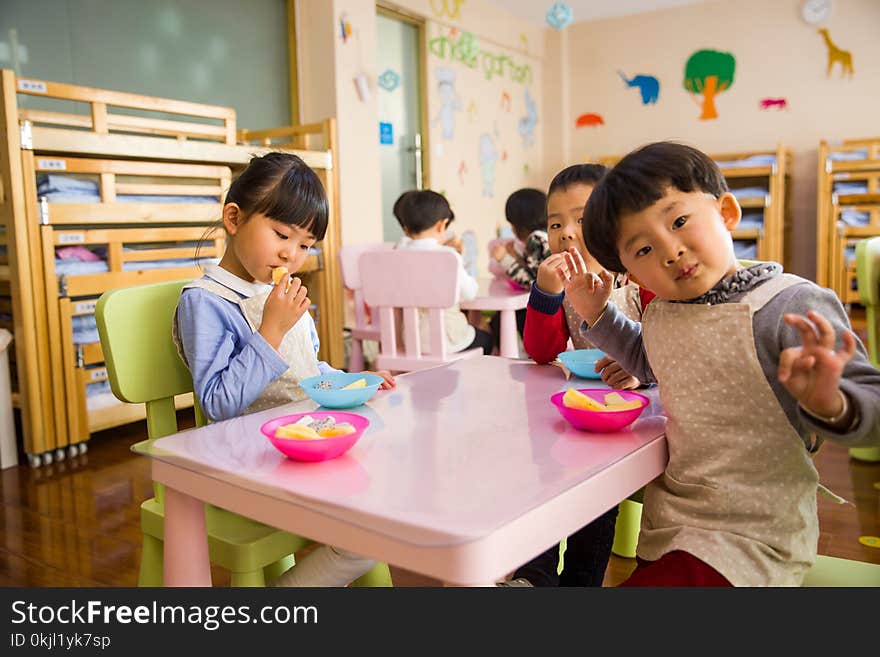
749	192
854	187
760	160
855	217
69	189
751	220
745	249
843	156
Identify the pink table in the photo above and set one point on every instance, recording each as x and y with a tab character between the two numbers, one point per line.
497	294
466	472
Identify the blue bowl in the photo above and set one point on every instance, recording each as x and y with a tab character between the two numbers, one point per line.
581	362
336	398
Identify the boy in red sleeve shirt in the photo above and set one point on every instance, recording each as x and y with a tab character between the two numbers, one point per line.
550	323
550	320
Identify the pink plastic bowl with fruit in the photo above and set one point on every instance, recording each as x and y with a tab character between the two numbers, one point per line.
321	449
600	421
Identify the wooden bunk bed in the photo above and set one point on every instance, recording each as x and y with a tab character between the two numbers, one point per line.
126	198
761	182
848	210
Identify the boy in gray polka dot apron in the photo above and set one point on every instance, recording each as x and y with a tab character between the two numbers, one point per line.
755	367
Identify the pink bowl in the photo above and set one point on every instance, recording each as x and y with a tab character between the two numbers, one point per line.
600	421
315	450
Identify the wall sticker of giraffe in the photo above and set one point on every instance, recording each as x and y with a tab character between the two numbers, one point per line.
835	54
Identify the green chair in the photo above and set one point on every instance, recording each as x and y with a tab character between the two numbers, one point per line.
868	277
144	368
831	571
626	528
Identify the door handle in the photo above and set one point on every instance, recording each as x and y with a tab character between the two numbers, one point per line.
416	150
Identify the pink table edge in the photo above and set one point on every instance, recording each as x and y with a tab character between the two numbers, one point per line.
479	562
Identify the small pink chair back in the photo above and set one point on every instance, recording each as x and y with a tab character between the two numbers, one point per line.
400	283
363	328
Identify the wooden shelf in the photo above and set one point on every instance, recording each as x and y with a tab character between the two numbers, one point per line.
753	202
195	151
747	233
122	413
833	235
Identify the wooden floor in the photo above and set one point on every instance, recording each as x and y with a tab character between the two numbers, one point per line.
76	522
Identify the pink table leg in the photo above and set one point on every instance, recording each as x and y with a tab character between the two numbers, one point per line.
186	541
509	344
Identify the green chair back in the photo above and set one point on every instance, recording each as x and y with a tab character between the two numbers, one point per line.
143	365
868	276
836	572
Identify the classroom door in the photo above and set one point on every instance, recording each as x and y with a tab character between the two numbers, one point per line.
401	97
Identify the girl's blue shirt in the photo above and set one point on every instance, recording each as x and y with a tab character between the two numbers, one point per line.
230	363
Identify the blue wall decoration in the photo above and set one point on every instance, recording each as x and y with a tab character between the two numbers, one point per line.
386	133
559	15
648	85
389	80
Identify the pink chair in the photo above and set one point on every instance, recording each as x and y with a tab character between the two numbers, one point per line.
363	328
403	283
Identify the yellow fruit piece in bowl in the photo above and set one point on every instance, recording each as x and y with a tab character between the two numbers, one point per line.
360	383
615	402
576	399
297	432
625	406
341	429
278	274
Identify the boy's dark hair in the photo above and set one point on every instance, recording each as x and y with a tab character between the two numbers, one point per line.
577	174
422	209
397	209
638	181
526	210
282	187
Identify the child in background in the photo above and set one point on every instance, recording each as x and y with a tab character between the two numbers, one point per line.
247	344
426	216
526	211
397	210
753	366
550	321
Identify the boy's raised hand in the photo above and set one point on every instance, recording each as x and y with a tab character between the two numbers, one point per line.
615	376
587	292
811	372
286	303
547	280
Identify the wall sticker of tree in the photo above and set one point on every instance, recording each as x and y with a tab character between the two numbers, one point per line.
708	73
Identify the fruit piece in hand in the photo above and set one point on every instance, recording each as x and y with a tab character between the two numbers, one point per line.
278	274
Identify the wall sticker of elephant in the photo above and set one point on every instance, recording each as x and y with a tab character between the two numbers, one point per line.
648	86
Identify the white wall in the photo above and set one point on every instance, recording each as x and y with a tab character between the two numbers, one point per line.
327	67
777	56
